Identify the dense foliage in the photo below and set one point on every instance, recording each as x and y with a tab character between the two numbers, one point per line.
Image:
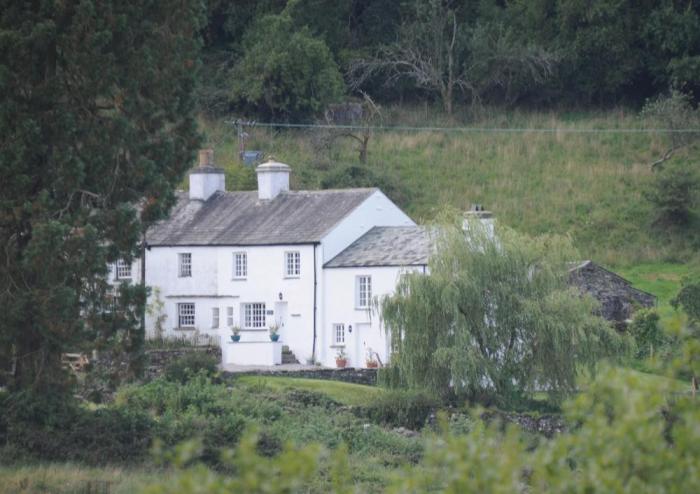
283	75
605	51
494	319
96	120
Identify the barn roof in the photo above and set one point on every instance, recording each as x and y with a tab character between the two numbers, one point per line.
240	218
387	246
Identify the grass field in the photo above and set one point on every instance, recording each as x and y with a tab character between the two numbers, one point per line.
345	393
587	185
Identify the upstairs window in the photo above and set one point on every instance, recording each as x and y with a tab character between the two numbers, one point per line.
185	261
123	270
292	262
363	292
185	315
339	334
215	317
240	265
254	316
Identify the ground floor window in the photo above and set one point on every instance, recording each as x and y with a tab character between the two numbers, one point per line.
185	315
254	316
215	317
229	317
339	333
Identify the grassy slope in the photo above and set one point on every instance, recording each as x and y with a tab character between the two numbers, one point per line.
345	393
585	185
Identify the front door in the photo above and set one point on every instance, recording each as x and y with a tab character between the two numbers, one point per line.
281	319
360	352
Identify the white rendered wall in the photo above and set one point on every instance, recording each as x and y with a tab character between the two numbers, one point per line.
376	210
367	330
212	284
203	185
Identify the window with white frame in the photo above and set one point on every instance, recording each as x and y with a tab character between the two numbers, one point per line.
339	334
363	292
123	270
292	263
185	262
185	315
240	265
254	316
229	317
215	317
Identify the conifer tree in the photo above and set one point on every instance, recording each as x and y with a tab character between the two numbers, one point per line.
96	129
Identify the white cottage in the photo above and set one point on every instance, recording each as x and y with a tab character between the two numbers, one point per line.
309	262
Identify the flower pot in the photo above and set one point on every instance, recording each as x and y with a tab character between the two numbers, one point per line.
235	337
372	364
341	362
274	337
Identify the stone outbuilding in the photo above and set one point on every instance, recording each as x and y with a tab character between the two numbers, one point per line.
618	298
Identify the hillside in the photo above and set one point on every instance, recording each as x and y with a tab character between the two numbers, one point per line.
587	185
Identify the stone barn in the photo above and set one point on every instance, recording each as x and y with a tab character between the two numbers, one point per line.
618	298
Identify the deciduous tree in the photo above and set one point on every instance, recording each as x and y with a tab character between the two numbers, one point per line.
495	318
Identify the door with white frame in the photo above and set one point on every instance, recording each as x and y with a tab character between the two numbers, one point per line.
359	336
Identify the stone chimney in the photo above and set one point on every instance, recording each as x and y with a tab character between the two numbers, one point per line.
477	212
273	178
206	179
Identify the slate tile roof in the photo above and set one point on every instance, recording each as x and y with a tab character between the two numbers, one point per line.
240	218
387	246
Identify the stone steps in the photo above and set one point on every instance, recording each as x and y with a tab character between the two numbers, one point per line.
288	356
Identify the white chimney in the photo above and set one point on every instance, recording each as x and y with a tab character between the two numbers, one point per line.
273	178
206	178
477	212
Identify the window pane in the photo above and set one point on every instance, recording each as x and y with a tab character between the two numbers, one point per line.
254	316
185	264
123	270
339	332
229	316
240	265
185	315
293	263
215	317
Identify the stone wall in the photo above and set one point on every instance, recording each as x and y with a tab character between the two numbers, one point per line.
159	359
349	375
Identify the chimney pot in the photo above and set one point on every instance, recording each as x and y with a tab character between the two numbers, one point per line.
206	157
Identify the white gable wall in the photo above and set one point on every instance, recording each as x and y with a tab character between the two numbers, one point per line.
376	210
340	304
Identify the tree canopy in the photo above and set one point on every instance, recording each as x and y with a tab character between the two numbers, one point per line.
96	129
495	318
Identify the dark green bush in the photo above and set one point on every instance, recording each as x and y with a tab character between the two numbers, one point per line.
648	335
55	427
183	368
408	409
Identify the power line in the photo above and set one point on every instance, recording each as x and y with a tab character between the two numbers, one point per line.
464	130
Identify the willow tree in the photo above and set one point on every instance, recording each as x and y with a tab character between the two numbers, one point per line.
495	319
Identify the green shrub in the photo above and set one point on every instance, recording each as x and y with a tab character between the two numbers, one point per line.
182	368
674	193
408	409
647	333
54	427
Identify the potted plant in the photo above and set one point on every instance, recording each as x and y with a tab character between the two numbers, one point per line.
371	362
274	332
341	360
235	333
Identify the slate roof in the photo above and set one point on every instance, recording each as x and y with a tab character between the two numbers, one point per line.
240	218
387	246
